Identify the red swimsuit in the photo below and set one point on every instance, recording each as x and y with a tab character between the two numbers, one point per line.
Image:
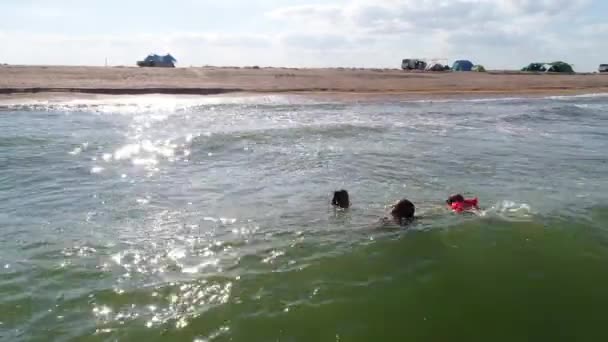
467	204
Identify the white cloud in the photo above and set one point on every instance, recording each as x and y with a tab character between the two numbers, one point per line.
594	29
317	41
307	12
423	14
501	33
189	48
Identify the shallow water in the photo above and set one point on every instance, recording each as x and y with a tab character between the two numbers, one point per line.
207	219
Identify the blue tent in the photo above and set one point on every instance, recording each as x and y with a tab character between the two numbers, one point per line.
155	60
462	65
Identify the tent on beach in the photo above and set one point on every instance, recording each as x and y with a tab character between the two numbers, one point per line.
435	67
534	67
154	60
462	65
478	68
549	67
559	67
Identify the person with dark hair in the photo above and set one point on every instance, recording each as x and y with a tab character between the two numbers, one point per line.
403	212
455	199
341	199
459	204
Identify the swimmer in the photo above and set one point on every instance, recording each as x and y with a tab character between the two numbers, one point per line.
459	204
341	199
403	212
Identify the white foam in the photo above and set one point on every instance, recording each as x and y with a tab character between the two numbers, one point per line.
508	99
471	100
145	161
570	97
143	201
79	149
153	103
127	151
97	169
511	210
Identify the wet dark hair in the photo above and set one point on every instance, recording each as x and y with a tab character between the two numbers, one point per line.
455	199
341	199
403	211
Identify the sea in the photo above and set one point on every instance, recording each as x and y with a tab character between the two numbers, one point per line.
186	218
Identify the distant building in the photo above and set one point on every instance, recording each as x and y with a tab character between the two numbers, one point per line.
158	61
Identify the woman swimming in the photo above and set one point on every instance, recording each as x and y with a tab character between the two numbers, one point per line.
459	204
403	212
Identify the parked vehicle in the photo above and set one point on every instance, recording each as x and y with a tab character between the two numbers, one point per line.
603	68
413	64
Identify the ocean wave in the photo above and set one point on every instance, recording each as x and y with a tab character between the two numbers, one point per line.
581	96
553	112
23	141
130	104
262	134
468	100
506	99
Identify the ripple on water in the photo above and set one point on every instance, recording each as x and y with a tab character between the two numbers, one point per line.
175	303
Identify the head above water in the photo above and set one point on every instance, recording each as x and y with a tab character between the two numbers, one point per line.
403	210
341	199
458	198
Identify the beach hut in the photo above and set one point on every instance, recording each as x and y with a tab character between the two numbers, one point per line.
478	68
462	65
154	60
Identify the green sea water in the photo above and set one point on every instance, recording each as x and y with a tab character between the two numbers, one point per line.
159	218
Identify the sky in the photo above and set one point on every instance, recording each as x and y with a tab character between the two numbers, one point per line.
500	34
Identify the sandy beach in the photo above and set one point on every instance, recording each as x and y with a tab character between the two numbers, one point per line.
52	81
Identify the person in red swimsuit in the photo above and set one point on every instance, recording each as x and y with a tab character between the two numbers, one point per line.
459	204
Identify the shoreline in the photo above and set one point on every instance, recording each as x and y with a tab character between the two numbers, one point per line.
40	82
63	97
83	98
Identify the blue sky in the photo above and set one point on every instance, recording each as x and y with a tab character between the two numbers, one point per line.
367	33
